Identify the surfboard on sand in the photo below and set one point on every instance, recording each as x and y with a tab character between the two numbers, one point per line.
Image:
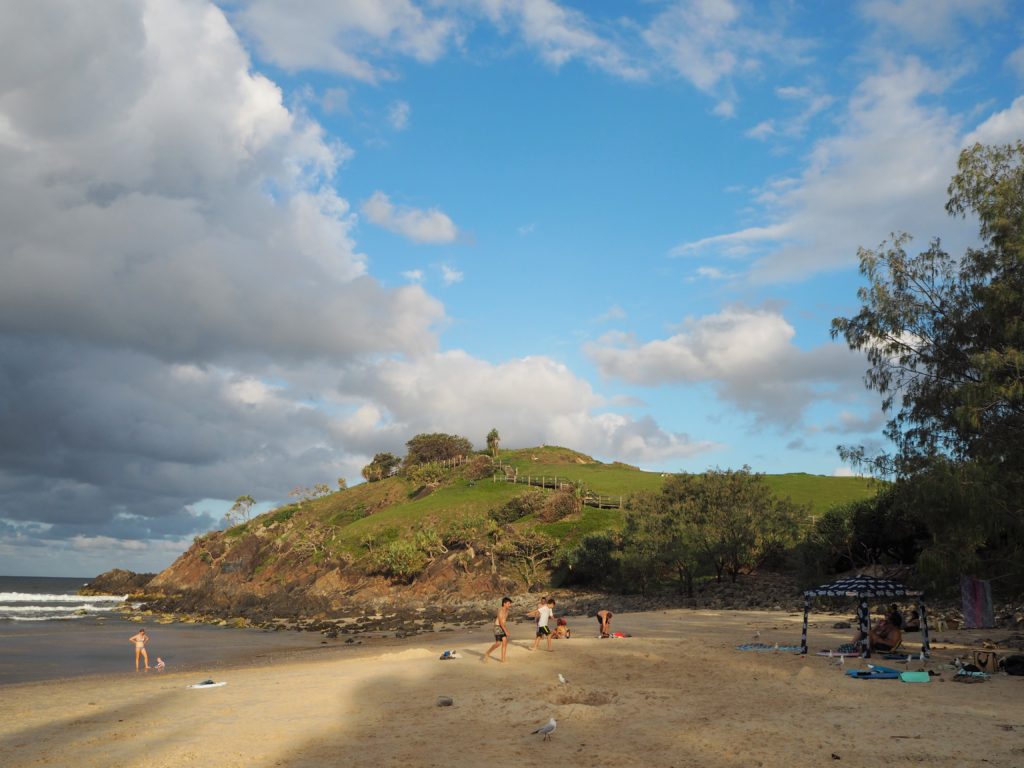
206	684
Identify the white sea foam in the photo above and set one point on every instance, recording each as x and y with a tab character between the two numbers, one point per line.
28	606
87	607
27	597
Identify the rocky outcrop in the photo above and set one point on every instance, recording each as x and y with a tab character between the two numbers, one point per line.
117	582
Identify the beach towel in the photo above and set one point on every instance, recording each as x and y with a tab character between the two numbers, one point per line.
874	674
915	677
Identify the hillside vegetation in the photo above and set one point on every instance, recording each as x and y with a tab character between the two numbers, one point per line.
467	527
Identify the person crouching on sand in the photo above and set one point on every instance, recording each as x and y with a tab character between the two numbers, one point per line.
159	664
500	630
140	639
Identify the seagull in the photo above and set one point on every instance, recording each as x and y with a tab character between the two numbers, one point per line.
757	634
547	729
561	679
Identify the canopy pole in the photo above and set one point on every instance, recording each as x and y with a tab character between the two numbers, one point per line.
803	634
864	620
926	647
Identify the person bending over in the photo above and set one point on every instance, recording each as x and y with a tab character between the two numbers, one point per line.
140	639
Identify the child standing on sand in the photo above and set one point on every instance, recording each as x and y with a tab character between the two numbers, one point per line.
500	630
543	612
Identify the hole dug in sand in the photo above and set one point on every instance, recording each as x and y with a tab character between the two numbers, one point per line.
589	698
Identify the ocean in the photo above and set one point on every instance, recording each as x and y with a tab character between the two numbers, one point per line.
41	598
47	632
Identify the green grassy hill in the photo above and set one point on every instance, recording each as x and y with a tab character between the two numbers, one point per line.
390	507
431	524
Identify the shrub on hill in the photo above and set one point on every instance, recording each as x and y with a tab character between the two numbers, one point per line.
559	504
383	465
528	503
400	560
435	446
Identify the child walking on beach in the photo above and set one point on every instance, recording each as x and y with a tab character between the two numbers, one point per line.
543	612
140	639
500	630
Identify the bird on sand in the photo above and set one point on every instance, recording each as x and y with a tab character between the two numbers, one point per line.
757	634
561	679
547	729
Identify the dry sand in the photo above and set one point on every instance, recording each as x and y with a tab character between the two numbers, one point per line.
677	693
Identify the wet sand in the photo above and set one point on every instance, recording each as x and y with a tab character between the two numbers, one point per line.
48	650
677	693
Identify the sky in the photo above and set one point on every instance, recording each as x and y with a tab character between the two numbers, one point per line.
246	245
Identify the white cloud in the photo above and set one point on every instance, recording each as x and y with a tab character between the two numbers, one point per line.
413	275
344	37
762	130
930	21
1004	127
430	226
614	312
162	269
129	221
1015	61
561	35
713	273
398	115
335	101
698	39
747	355
537	401
712	43
450	275
885	171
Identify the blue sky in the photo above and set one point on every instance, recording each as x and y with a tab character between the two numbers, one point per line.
246	245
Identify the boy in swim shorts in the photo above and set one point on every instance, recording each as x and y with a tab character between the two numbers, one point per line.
544	612
500	630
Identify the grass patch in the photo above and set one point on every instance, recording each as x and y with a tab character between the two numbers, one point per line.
820	491
590	521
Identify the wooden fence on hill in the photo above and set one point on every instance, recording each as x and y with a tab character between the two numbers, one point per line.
553	482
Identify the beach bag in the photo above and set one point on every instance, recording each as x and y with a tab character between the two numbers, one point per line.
1013	665
987	661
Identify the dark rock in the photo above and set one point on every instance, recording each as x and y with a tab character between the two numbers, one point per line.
117	582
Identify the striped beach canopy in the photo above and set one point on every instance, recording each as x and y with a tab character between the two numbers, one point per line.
862	586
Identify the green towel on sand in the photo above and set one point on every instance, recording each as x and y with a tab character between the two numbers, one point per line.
915	677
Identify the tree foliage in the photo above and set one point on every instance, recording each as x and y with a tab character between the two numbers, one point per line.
383	465
436	446
493	441
733	518
241	509
944	338
527	552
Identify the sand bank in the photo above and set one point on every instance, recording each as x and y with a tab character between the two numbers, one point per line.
677	693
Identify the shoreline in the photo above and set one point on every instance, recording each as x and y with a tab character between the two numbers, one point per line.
676	693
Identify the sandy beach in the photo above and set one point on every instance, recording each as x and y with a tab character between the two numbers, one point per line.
676	693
